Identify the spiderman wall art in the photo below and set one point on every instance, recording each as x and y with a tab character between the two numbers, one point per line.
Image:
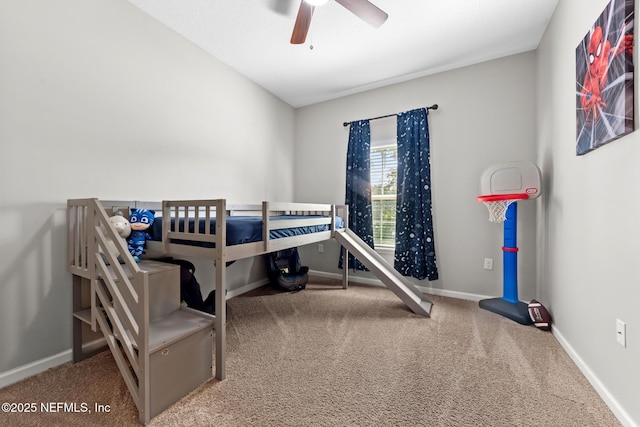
604	78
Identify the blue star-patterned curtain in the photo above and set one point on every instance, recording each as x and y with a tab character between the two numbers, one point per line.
415	250
358	188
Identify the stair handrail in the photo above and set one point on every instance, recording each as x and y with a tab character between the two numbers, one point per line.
120	299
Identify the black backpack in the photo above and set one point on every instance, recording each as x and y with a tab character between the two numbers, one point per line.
285	271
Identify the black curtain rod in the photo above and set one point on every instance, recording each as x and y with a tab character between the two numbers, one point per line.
433	107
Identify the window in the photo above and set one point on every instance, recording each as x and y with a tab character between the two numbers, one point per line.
384	167
384	171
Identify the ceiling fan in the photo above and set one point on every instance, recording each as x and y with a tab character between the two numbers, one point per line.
363	9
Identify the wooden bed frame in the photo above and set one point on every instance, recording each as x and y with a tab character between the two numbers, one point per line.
221	253
116	297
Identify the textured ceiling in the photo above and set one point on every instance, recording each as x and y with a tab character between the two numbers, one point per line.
344	55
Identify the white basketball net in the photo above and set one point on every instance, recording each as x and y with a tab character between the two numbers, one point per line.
498	209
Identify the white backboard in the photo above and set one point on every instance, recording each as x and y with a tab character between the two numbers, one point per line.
511	178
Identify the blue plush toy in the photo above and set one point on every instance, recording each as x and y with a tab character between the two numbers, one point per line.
140	220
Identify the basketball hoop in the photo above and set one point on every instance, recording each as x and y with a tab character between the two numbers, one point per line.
499	203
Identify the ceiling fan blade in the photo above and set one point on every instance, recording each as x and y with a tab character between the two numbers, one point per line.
303	21
366	11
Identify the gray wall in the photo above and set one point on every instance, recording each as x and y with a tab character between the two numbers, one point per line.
486	116
588	246
100	100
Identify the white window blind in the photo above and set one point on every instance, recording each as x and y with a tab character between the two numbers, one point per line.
384	165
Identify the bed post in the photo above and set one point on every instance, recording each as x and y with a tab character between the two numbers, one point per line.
345	256
221	285
265	226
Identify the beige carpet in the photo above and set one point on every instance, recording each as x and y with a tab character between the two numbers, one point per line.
330	357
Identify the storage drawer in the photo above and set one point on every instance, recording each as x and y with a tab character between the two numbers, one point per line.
179	368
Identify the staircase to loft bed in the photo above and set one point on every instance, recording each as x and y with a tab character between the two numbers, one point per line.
162	349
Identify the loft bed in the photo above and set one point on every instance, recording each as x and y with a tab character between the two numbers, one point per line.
237	232
136	305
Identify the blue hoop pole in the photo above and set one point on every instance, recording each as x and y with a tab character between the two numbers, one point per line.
510	256
509	305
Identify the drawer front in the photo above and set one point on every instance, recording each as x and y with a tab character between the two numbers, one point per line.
179	368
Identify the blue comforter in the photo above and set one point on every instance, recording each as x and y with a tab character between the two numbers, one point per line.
244	229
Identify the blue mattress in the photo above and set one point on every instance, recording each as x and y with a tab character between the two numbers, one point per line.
244	229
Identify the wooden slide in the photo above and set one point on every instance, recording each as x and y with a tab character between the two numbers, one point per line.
403	288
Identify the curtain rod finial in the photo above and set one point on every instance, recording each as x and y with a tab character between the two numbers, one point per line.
345	124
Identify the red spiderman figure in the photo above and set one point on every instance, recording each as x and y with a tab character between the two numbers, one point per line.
600	56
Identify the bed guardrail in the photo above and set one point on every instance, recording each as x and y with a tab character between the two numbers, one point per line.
177	214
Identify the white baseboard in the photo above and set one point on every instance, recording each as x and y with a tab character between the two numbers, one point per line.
246	288
620	413
427	290
30	369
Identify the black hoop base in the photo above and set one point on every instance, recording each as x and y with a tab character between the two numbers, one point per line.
518	311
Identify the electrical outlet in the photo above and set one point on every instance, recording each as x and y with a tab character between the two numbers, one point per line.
488	264
320	247
621	332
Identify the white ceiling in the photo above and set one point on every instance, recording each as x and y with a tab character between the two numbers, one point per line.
343	55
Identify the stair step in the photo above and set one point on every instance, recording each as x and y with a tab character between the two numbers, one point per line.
84	315
150	266
176	326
